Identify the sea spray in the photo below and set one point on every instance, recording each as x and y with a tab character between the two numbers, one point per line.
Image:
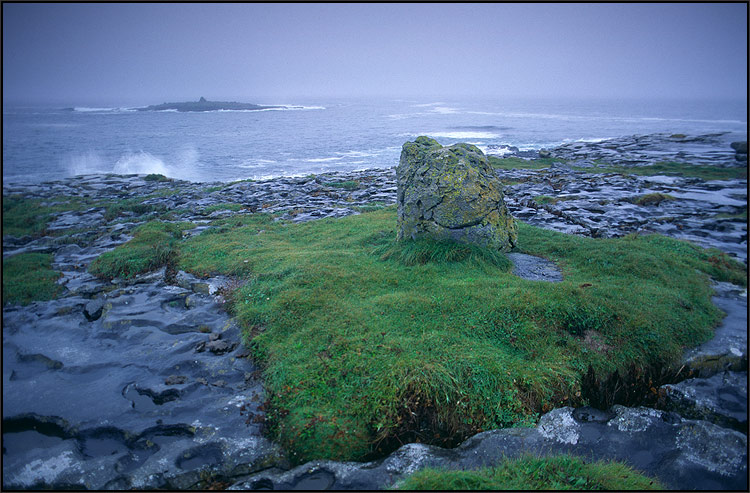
140	163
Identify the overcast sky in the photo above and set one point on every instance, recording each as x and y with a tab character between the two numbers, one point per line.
151	53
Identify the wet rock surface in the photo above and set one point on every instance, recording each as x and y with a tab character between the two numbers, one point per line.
534	268
641	150
144	383
682	453
708	213
124	399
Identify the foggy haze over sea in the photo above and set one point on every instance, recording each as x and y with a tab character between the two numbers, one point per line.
365	78
320	135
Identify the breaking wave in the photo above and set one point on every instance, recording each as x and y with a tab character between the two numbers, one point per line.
182	165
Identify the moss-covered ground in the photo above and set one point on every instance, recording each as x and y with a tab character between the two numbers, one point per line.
560	472
668	168
366	343
704	172
29	277
153	246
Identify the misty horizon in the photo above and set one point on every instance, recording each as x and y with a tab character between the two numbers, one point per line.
141	54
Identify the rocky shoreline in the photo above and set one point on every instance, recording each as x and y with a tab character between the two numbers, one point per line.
184	406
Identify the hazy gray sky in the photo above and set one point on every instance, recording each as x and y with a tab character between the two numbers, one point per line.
151	53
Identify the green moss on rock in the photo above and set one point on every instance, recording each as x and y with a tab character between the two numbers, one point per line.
451	193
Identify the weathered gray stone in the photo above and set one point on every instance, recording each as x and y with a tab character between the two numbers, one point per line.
534	268
93	309
451	193
683	454
720	399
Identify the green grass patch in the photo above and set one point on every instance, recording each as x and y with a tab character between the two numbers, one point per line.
673	169
373	206
367	342
23	216
425	251
519	163
117	208
562	472
156	177
740	216
546	199
152	246
226	206
651	199
29	277
30	216
346	185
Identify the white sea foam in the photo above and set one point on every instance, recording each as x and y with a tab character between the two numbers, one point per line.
140	163
357	154
256	163
322	159
426	105
85	164
182	164
444	110
87	109
594	139
292	107
495	151
464	135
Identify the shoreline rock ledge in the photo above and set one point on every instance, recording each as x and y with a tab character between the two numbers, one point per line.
451	193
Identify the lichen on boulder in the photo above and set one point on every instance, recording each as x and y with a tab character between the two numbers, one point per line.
451	193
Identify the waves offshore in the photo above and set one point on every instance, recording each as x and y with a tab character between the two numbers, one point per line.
318	136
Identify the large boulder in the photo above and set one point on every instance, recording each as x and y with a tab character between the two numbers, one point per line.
451	193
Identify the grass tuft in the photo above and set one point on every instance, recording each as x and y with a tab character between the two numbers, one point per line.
156	177
29	277
153	246
345	185
651	199
23	216
561	472
423	251
225	206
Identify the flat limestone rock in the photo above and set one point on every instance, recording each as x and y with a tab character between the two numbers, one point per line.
534	268
451	193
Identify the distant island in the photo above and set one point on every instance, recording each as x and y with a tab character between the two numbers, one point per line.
203	105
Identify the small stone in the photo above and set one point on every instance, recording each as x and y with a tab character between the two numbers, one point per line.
218	347
214	337
175	380
93	309
201	288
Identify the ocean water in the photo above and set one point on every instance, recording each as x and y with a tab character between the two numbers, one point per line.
47	143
